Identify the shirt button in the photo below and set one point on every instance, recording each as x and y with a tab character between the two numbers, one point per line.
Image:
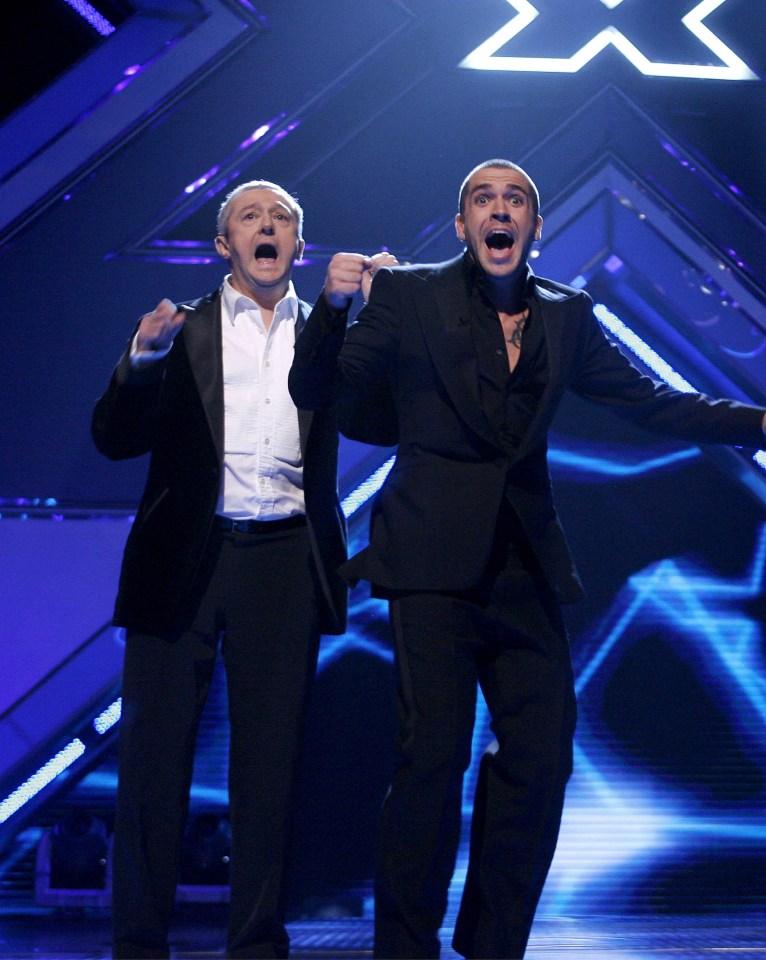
268	363
266	441
499	352
267	400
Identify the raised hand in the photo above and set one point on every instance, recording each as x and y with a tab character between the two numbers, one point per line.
157	330
344	278
382	259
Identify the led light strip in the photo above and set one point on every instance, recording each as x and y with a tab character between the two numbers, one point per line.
89	13
58	764
640	349
368	488
107	718
49	771
652	360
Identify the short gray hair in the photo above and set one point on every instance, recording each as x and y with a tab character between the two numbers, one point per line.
222	221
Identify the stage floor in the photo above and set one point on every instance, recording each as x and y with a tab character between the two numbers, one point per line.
198	933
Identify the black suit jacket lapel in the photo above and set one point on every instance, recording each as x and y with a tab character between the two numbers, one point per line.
305	417
448	336
447	330
204	348
553	307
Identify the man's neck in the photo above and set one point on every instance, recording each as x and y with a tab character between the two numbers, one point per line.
266	297
506	294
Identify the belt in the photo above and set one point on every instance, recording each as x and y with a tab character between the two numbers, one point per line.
260	526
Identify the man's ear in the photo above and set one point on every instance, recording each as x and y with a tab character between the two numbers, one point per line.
222	246
460	227
300	248
539	230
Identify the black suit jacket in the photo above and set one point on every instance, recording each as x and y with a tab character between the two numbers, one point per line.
433	521
173	410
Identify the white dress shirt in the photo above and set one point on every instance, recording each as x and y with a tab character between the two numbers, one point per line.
262	465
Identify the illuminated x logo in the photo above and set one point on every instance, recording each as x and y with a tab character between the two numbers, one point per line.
732	68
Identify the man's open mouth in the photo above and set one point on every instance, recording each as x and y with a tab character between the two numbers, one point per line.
497	240
265	251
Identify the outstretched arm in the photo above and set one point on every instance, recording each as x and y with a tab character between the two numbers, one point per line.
606	376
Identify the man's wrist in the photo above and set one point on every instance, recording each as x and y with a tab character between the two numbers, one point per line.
336	316
141	356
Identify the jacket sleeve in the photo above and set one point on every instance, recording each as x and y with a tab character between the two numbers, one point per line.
604	375
351	365
125	418
314	380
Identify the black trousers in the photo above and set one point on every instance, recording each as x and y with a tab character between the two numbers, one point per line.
508	637
259	608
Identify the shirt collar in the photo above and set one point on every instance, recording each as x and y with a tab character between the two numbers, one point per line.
474	277
287	307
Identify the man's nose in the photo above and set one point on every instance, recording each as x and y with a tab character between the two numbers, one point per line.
267	227
501	213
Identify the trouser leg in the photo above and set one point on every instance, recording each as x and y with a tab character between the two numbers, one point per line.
421	816
526	679
270	661
165	685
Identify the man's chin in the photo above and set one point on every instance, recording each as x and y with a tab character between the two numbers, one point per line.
501	269
267	267
267	274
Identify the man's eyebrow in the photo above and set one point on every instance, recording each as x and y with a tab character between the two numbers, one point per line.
282	205
493	186
258	205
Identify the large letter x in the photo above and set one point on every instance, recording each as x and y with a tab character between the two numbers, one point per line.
482	58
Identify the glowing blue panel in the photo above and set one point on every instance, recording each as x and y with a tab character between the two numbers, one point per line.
620	821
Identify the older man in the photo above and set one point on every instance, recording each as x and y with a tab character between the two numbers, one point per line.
465	543
234	547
